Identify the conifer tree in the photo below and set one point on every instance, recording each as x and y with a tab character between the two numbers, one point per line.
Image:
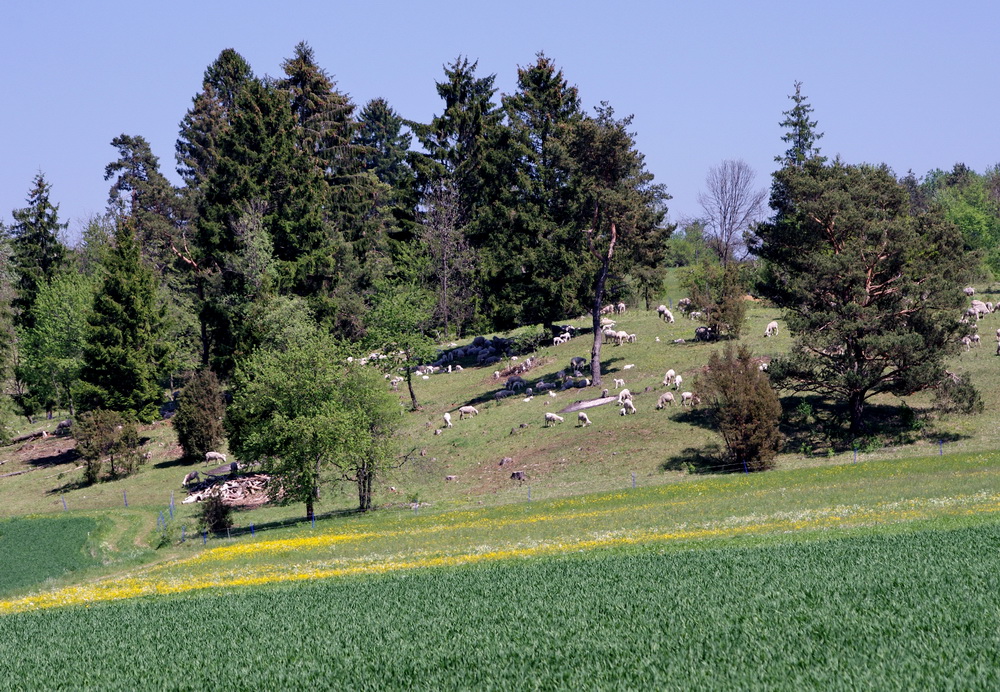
199	416
801	132
125	353
36	249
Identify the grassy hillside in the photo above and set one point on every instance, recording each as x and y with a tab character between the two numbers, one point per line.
561	461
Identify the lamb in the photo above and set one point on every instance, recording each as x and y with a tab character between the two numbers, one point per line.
624	395
665	313
677	382
467	411
771	329
619	383
689	398
584	421
215	456
551	418
667	398
629	366
447	419
627	407
557	340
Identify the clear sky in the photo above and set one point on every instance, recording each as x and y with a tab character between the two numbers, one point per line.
908	83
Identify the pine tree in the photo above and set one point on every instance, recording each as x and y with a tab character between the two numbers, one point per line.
37	252
125	352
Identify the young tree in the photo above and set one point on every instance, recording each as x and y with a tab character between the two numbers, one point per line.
718	292
199	416
102	434
744	406
125	353
52	350
305	411
38	254
871	291
732	205
452	261
801	132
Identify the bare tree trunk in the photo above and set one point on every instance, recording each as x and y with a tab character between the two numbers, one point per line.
602	276
409	385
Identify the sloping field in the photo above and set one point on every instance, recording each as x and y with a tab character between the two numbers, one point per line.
913	610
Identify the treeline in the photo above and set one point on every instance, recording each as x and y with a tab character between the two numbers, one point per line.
299	209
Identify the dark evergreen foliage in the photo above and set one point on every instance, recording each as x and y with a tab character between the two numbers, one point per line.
199	416
126	351
37	252
745	407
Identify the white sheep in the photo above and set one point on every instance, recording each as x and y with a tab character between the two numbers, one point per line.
771	329
624	395
583	419
975	339
619	383
551	418
552	393
629	366
677	382
447	419
667	398
621	337
967	342
620	308
467	411
688	398
969	291
215	456
627	407
665	313
668	379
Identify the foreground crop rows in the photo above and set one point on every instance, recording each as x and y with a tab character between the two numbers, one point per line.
917	610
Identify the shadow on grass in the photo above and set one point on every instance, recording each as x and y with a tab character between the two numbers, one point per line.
174	463
242	531
67	456
487	397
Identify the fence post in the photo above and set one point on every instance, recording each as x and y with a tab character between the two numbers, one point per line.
63	498
633	480
940	448
252	533
125	497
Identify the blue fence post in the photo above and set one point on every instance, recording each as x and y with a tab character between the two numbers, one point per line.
125	497
204	537
252	533
940	448
314	521
855	455
633	480
63	498
529	493
183	534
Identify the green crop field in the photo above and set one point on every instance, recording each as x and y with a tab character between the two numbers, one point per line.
620	561
914	610
37	549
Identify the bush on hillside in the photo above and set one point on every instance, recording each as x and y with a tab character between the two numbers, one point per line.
200	410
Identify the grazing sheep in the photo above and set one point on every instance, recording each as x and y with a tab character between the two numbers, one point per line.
624	395
604	393
989	306
551	418
619	383
620	308
668	379
621	337
467	411
557	340
677	381
577	363
688	398
969	291
447	418
967	342
667	398
628	407
609	335
583	420
215	456
664	313
771	329
192	477
629	366
632	338
503	394
975	339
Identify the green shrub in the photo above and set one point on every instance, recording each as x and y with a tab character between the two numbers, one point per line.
200	411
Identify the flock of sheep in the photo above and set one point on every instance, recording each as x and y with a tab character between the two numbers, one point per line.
572	377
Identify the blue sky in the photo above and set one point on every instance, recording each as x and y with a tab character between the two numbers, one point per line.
910	84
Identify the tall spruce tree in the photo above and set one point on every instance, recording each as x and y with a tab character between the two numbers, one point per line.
37	252
800	135
126	350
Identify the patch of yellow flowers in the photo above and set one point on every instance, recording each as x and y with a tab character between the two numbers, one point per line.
155	582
